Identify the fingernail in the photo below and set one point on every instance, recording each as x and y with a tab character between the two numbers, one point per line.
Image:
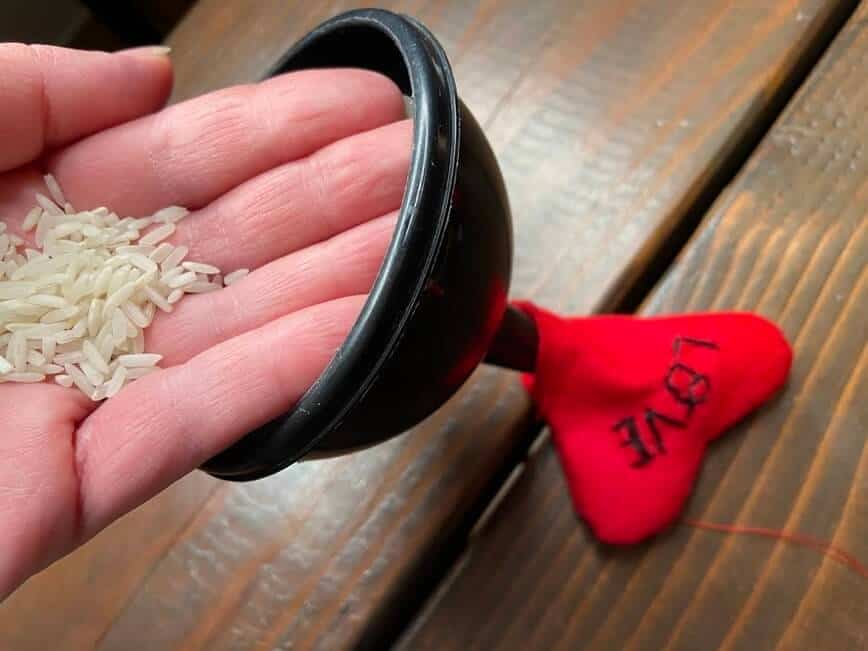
147	51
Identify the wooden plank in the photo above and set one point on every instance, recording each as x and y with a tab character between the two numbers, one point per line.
609	124
788	239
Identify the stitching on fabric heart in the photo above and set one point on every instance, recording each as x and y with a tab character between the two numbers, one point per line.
633	402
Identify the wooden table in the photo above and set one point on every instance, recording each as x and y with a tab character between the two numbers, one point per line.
618	125
789	239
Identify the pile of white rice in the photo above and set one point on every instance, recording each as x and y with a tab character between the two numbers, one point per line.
74	309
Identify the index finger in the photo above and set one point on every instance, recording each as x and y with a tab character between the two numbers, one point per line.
50	96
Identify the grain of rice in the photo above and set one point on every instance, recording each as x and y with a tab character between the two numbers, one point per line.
149	311
50	280
49	206
120	295
91	231
119	279
75	266
119	326
94	316
174	258
143	262
127	236
157	235
49	345
200	287
145	278
16	290
79	378
63	380
106	343
129	249
93	375
54	189
93	356
65	337
80	327
23	376
69	358
41	227
142	360
24	308
134	313
63	314
158	299
36	331
116	383
16	351
181	280
48	300
62	246
200	268
161	252
171	215
235	276
136	373
67	228
100	285
35	358
174	272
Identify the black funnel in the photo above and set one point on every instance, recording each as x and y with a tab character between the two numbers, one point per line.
439	304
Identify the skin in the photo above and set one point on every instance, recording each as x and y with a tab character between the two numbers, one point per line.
298	178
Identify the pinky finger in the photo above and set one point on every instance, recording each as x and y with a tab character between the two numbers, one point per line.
170	422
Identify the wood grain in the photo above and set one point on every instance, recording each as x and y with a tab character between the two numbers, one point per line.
788	239
609	122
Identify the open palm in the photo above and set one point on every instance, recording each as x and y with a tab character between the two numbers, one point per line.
298	178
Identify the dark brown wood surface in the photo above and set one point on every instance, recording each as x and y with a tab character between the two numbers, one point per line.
788	239
611	118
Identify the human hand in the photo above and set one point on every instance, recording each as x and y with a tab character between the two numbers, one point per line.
298	178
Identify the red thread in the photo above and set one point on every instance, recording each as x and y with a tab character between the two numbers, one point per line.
826	548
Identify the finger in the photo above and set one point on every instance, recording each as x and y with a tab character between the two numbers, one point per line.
170	422
345	265
195	151
282	210
38	507
50	96
302	203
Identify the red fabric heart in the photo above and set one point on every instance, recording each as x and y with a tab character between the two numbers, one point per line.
632	403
